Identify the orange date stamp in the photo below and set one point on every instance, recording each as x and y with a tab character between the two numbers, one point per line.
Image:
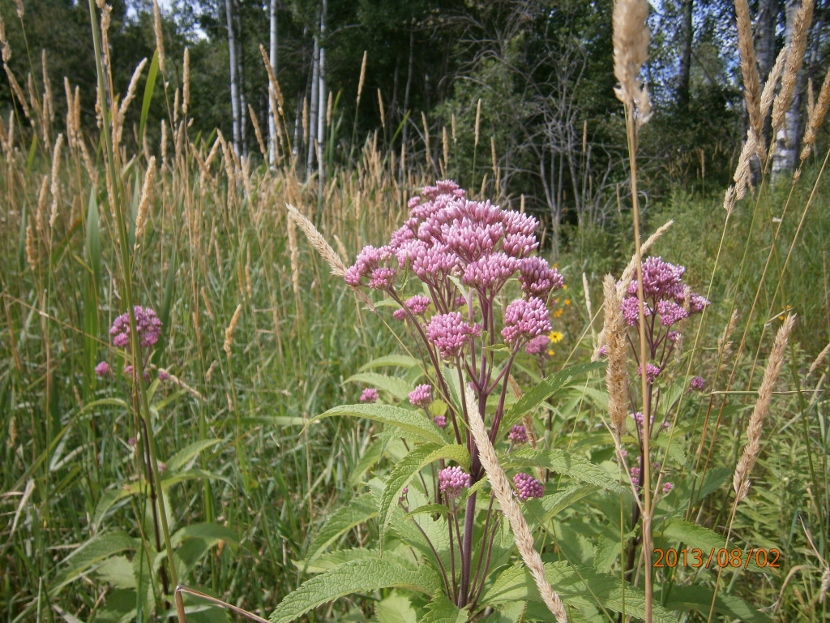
736	557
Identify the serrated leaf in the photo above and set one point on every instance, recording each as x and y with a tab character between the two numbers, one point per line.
183	456
571	465
398	361
409	420
442	610
704	539
357	511
546	389
685	598
578	587
360	576
405	471
95	550
396	387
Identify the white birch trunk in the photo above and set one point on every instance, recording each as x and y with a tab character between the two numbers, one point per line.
234	77
272	118
313	103
786	139
321	99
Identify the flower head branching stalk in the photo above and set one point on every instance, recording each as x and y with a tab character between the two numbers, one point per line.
462	254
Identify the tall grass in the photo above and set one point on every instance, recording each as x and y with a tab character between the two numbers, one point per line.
258	337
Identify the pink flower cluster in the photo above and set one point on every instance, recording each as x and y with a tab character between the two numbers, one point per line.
147	325
665	294
698	383
370	395
421	396
447	235
527	486
451	480
525	319
450	333
537	345
417	305
652	372
518	434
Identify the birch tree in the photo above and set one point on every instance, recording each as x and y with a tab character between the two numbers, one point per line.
234	77
272	120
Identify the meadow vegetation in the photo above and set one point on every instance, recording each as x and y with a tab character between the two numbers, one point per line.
216	452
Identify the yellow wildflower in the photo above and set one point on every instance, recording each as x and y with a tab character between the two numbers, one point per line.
557	313
551	353
555	336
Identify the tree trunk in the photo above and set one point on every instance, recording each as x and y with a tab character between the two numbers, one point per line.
765	22
321	99
234	78
684	70
243	103
786	150
272	118
406	97
313	104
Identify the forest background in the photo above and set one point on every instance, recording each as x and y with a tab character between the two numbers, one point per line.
514	100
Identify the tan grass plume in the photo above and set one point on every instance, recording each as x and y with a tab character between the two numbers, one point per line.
510	508
158	33
146	199
317	241
749	69
768	94
795	57
819	360
740	481
816	117
230	329
631	38
616	375
55	188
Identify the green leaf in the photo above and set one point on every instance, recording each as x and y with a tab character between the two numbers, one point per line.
210	533
108	499
398	361
93	237
546	389
357	511
578	587
117	571
148	93
406	470
551	505
409	420
183	456
429	509
699	598
442	610
396	387
704	539
369	458
95	550
570	465
360	576
396	608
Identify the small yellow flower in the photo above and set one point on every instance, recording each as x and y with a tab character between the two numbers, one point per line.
555	336
781	317
557	313
551	353
567	301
